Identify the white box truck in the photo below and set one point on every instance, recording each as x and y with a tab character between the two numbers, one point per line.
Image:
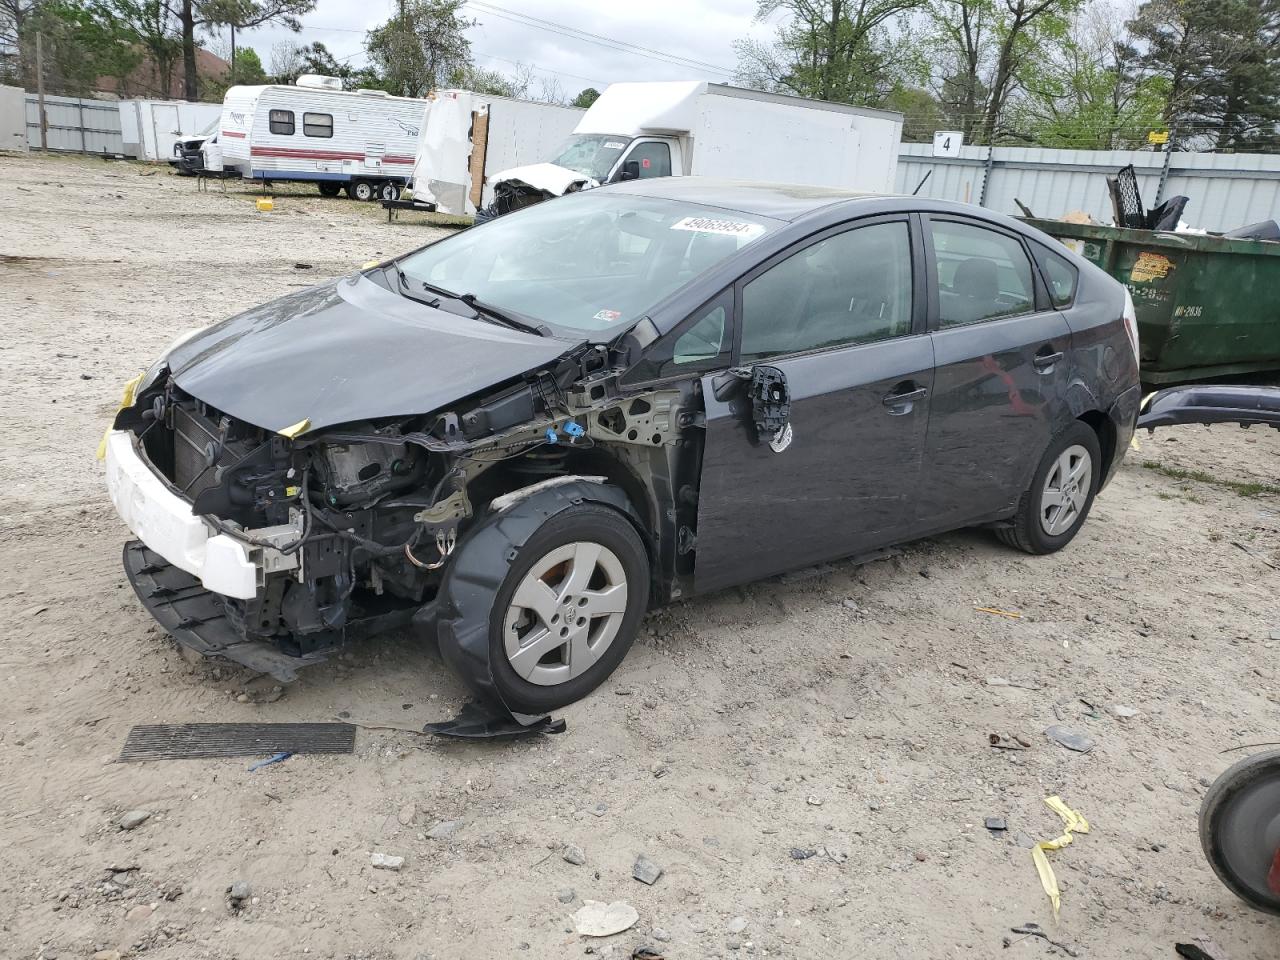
639	130
361	141
466	136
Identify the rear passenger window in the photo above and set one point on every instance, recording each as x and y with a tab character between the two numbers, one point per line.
1061	274
281	122
317	124
982	274
854	287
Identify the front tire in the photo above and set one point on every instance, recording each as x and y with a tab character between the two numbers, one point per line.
1053	509
360	190
566	609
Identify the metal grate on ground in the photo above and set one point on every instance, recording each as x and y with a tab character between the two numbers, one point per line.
189	741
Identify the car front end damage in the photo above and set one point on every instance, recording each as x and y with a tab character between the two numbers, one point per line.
274	547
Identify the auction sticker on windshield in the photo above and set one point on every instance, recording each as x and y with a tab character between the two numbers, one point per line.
608	316
726	228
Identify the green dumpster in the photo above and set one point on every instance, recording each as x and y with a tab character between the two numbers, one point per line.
1208	307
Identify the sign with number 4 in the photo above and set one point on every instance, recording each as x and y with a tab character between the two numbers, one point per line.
947	143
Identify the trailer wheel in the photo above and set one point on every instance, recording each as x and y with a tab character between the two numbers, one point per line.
360	190
329	189
389	191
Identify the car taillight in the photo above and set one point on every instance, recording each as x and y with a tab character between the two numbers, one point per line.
1131	324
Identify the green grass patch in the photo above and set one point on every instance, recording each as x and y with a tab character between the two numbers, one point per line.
1240	488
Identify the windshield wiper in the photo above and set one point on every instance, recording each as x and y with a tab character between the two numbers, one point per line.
483	311
504	317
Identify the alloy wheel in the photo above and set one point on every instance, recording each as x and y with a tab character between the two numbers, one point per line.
1066	490
565	613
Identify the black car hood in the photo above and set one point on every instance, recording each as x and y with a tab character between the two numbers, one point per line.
349	350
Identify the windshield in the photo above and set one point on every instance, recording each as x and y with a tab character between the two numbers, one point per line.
593	154
586	264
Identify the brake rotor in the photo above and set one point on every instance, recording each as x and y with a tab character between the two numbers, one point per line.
1240	830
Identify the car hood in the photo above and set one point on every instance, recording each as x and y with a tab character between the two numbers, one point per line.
349	350
548	177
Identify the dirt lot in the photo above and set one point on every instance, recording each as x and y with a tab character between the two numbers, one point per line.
846	713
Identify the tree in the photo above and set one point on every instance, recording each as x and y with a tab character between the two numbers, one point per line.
79	43
246	67
1221	62
493	82
418	49
842	50
986	49
237	14
586	97
1087	93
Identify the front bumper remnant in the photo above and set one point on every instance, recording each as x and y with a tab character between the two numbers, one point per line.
196	618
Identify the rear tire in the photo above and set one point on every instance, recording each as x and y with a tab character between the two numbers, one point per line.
360	190
328	188
568	609
1055	506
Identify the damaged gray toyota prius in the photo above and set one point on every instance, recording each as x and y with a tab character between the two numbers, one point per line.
526	434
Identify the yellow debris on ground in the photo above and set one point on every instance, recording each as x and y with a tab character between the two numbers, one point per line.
1072	823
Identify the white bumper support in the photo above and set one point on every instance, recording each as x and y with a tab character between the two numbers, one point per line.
165	523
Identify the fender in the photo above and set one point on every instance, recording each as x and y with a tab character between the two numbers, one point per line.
480	563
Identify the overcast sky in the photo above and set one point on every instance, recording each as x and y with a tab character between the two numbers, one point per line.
703	30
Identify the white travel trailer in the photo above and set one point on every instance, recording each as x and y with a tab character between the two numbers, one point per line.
361	141
639	130
466	136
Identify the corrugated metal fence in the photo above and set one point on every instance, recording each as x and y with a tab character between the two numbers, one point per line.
1226	190
81	126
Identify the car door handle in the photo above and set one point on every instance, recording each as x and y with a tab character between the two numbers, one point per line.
1043	361
907	396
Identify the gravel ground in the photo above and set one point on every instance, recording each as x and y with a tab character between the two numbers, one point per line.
845	713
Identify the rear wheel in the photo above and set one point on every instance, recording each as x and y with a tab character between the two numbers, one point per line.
328	188
568	608
1055	506
389	191
360	190
1240	830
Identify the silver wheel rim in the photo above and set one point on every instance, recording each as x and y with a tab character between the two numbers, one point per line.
566	613
1066	490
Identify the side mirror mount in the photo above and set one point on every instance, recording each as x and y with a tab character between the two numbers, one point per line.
630	170
768	393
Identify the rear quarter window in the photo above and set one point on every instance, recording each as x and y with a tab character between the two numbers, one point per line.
1060	274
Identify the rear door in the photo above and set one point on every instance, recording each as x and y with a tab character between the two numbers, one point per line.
842	316
1000	351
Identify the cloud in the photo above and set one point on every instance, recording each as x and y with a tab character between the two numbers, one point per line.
703	30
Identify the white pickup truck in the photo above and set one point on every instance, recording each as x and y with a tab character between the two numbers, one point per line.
639	130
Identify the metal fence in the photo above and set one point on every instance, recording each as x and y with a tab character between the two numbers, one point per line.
1226	190
76	125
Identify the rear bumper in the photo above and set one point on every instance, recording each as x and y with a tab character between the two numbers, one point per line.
1124	418
164	522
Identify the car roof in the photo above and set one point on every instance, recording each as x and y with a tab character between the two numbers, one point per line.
780	201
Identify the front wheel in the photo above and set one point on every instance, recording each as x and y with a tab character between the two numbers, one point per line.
1053	509
360	190
548	598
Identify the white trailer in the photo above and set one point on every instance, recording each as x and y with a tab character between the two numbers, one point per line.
153	129
466	136
639	130
362	141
